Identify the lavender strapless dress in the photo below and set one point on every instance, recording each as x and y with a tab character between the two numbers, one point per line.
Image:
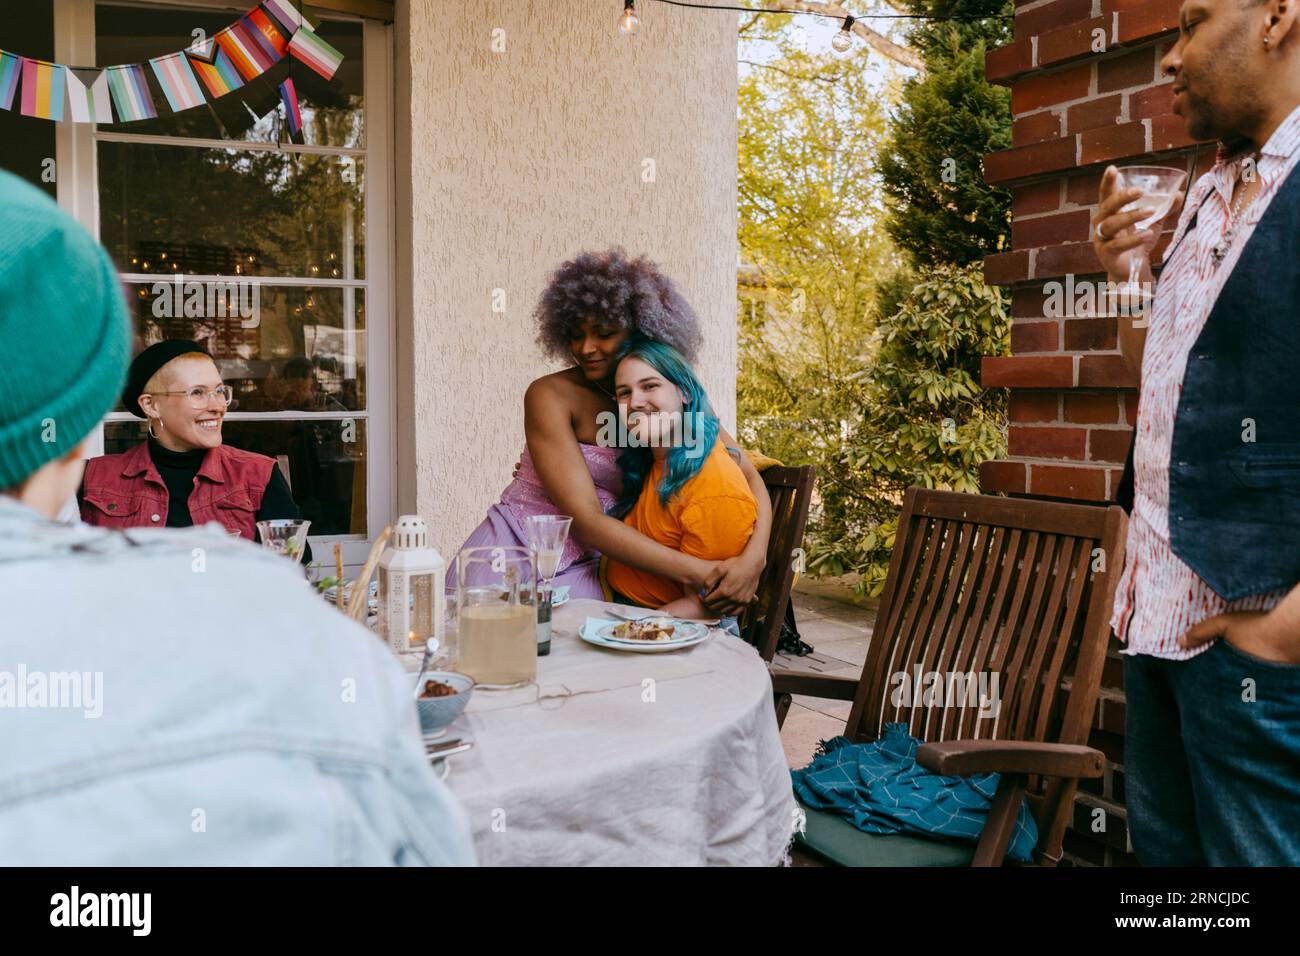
525	496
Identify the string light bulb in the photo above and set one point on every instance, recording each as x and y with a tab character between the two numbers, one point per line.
842	42
629	21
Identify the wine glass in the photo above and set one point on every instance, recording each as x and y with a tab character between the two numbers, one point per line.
285	536
1160	186
547	535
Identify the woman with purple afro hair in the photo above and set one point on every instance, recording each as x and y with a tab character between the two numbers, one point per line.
632	294
592	305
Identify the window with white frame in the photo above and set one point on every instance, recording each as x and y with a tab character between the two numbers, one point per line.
272	254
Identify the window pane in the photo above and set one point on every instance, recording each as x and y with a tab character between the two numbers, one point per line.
332	113
326	464
28	143
282	348
231	212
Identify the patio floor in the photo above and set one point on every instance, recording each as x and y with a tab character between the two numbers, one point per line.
839	631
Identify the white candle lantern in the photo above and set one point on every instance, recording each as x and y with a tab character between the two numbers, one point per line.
412	598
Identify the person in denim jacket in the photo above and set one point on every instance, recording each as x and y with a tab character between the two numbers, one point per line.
170	697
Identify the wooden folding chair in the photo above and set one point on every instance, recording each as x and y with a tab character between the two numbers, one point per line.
791	492
977	584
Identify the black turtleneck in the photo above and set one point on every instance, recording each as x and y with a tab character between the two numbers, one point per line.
177	469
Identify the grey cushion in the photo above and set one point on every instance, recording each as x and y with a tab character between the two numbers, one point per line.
838	841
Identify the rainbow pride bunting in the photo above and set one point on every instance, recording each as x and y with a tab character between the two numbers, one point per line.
237	55
131	96
43	89
267	34
214	68
243	44
88	99
308	47
177	82
291	111
11	66
290	17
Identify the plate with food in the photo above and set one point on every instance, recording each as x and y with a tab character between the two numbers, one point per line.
647	635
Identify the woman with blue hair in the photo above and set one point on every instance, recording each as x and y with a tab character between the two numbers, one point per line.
681	487
593	304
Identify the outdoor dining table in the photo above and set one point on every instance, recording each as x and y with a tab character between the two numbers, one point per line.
619	758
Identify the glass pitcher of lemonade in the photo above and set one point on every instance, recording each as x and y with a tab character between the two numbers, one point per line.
496	616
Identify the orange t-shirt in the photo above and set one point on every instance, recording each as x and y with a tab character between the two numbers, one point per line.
712	517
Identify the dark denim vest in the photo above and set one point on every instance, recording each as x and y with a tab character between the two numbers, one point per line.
1234	503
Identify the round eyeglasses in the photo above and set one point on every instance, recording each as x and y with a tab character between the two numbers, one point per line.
199	395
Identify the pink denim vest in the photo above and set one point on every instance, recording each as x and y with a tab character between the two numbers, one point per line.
126	491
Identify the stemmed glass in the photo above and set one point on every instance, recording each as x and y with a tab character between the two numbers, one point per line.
285	536
1160	186
547	535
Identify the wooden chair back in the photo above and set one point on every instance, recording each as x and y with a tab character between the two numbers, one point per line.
983	588
790	490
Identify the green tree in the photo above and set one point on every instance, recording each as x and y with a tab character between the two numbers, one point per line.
922	418
925	420
948	119
861	328
811	242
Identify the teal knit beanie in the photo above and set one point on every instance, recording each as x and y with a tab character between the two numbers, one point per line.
65	337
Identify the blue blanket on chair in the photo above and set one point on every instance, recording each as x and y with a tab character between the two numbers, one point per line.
879	788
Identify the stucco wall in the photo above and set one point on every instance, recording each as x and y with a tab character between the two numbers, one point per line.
508	163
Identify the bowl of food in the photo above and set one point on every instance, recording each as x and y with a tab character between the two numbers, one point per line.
440	697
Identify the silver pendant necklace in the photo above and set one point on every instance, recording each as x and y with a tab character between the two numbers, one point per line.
1220	250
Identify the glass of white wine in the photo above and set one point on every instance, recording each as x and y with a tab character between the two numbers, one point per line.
547	535
496	616
1160	186
284	536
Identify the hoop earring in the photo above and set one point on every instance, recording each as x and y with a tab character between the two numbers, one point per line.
150	428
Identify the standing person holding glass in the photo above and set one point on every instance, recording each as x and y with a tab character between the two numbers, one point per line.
182	474
1209	602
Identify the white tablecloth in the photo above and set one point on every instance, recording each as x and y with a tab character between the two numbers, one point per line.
616	758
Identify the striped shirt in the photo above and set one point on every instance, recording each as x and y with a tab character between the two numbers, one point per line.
1159	597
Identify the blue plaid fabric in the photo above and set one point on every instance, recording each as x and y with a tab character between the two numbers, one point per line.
879	788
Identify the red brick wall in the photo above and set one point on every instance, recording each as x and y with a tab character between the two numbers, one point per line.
1081	100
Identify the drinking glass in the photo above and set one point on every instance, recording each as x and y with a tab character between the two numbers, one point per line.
285	536
1160	186
547	535
496	616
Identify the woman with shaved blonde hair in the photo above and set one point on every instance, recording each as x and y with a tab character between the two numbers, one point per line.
182	474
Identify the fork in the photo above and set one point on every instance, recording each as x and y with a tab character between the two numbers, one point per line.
625	615
629	616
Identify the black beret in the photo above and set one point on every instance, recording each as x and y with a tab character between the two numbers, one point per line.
144	365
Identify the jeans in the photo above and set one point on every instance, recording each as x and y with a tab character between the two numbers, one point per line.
1212	759
731	625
